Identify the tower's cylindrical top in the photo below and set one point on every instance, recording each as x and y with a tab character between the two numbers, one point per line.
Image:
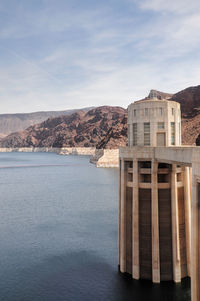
154	122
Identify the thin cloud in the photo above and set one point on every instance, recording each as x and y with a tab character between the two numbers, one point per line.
175	7
66	55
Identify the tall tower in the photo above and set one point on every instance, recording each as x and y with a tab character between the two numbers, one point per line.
154	196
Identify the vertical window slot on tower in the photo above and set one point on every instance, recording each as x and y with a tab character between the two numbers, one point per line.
134	134
172	133
147	133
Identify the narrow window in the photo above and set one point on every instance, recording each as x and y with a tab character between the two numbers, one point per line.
134	112
172	111
172	133
129	134
161	111
134	134
147	133
161	125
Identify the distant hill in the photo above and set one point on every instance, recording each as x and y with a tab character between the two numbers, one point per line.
190	101
190	108
103	127
10	123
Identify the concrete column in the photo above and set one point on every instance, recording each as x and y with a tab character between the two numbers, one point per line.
119	213
187	192
155	224
123	220
195	255
135	222
175	227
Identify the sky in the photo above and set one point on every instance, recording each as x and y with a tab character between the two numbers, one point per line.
65	54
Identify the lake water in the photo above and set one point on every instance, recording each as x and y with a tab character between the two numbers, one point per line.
58	233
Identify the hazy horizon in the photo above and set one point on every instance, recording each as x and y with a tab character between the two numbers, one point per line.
44	111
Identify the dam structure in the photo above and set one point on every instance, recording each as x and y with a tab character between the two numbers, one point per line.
159	197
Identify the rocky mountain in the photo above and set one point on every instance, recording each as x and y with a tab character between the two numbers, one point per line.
102	127
189	100
10	123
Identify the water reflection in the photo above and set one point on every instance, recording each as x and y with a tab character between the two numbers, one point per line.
87	277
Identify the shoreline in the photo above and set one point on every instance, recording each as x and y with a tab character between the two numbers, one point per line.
107	158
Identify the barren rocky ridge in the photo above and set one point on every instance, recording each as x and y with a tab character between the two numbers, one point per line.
10	123
103	127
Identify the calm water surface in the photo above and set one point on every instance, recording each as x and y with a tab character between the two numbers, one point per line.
58	233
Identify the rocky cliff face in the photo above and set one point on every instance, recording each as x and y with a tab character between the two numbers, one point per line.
102	127
189	100
10	123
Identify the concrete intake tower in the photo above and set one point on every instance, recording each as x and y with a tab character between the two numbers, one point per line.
155	196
